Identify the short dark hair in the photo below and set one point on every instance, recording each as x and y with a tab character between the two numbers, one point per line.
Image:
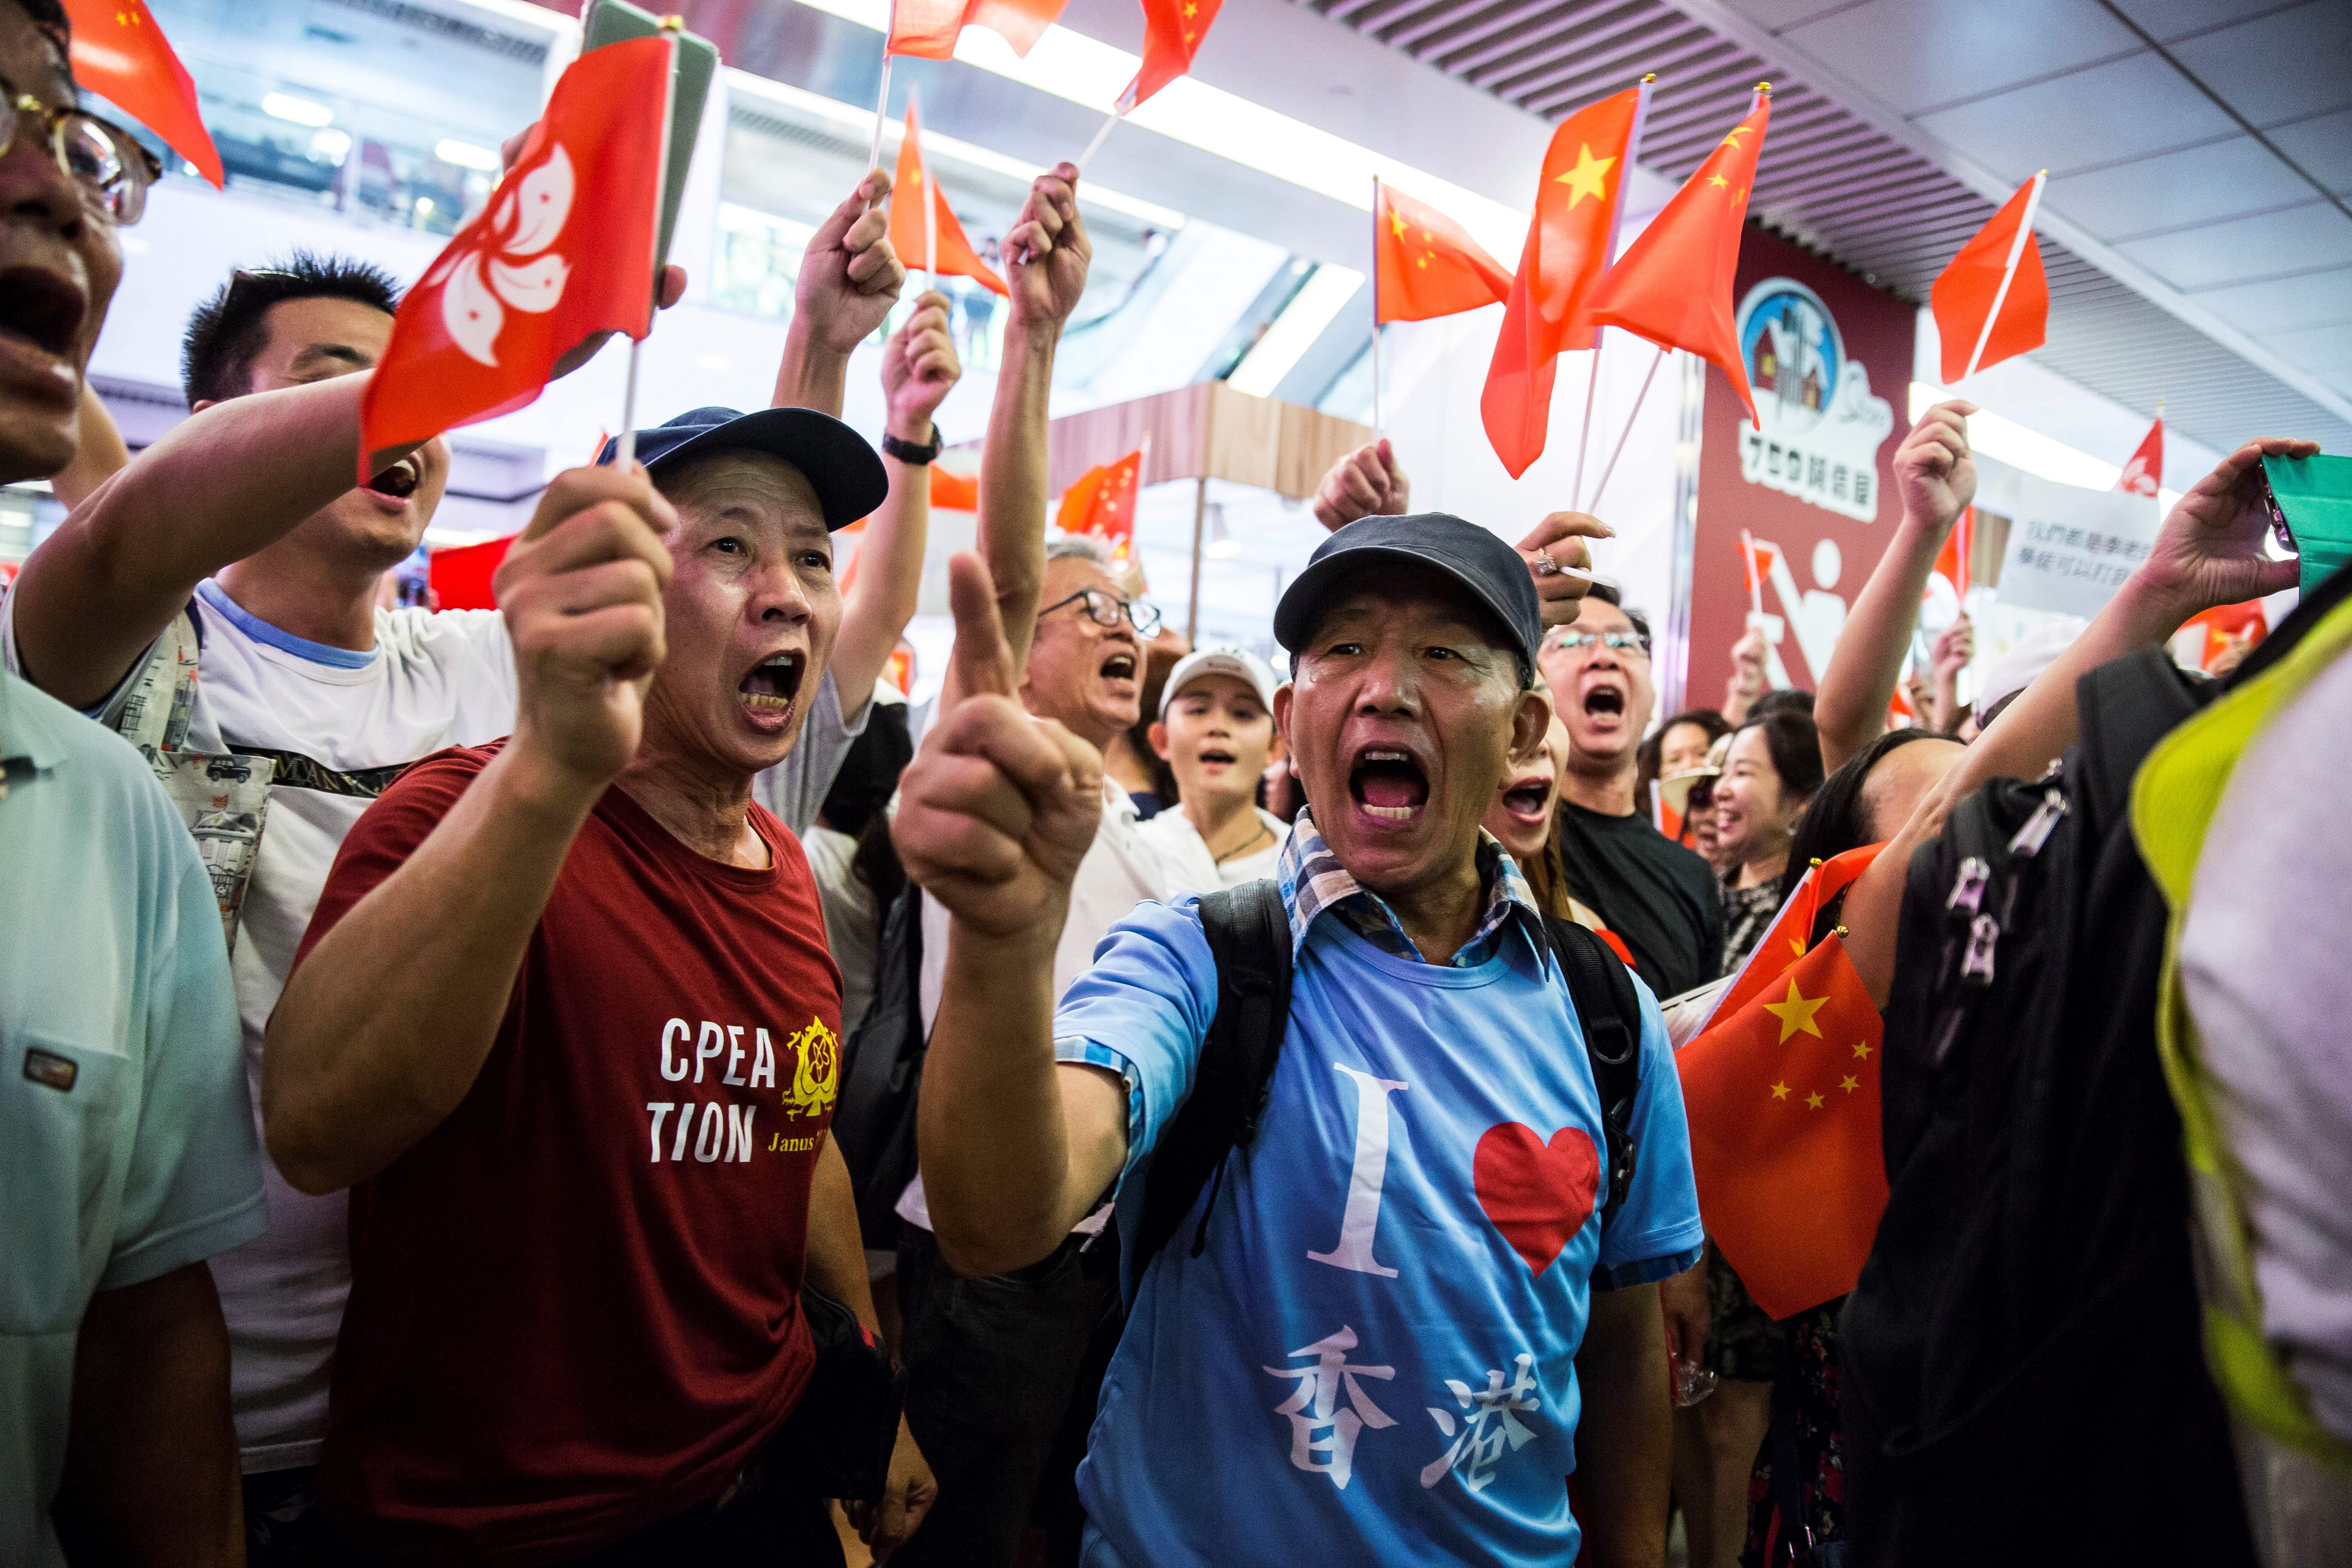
1795	747
226	334
1782	699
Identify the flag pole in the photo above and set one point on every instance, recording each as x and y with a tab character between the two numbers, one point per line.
625	453
1592	391
1628	435
930	206
2023	237
1755	588
1101	136
1376	306
881	102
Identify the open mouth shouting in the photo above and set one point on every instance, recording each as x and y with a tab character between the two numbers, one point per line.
1216	757
392	487
1117	666
1529	800
1389	785
769	692
1603	704
41	315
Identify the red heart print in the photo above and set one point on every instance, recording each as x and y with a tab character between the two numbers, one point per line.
1539	1196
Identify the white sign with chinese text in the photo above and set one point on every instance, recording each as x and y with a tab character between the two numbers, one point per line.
2070	548
1821	426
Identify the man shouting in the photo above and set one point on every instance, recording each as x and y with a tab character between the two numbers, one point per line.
1363	1341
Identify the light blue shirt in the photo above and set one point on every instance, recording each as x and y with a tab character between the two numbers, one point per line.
127	1148
1373	1358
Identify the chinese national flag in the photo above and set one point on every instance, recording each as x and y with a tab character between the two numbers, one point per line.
1673	285
1952	560
1782	1099
1992	300
120	54
2145	469
1424	264
1792	927
1578	198
564	249
923	228
460	577
927	28
1101	501
1173	31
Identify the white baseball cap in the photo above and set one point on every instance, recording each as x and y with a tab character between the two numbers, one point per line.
1239	663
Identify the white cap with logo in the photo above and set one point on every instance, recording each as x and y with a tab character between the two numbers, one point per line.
1239	663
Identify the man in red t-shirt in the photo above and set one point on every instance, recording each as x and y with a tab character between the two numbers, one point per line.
566	1024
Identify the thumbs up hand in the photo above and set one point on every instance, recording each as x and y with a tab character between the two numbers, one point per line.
998	807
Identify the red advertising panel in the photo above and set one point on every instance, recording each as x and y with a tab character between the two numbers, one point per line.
1829	358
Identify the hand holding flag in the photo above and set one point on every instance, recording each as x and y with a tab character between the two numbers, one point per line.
1048	253
1992	301
852	273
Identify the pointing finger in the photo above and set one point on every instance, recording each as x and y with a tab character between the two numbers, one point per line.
981	663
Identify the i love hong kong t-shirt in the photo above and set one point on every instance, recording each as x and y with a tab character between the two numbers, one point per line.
1373	1358
574	1304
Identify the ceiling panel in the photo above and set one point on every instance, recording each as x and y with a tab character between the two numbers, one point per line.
2174	190
2325	351
2321	147
2173	20
1919	55
2142	152
2275	244
2312	298
2130	109
2286	66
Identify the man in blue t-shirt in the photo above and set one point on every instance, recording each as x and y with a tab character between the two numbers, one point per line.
1380	1349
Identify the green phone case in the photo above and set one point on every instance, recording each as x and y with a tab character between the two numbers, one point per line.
616	21
2314	496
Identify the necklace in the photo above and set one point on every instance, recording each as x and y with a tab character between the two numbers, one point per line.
1260	836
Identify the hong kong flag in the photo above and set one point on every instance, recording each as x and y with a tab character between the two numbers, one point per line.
563	250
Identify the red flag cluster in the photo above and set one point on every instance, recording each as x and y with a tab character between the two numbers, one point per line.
1424	264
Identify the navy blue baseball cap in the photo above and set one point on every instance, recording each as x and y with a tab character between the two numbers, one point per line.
1473	558
838	464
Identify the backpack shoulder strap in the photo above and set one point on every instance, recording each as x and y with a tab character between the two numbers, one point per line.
1248	932
1602	991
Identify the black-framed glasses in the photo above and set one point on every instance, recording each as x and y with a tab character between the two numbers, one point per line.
109	164
1105	610
1615	642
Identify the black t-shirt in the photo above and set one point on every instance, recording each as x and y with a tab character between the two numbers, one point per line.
1658	896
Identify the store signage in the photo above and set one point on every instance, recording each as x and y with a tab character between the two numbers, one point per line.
1821	424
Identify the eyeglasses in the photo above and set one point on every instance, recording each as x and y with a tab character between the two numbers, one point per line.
1105	610
112	170
1615	642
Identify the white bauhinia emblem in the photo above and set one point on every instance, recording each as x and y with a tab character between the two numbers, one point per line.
508	264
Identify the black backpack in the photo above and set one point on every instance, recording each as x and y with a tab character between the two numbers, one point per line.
1248	932
2021	1373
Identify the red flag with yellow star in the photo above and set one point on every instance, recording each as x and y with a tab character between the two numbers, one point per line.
923	228
120	54
1173	31
1578	199
1673	285
1793	929
1101	503
1782	1100
1424	264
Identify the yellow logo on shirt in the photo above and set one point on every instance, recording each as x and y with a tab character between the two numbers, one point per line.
816	1070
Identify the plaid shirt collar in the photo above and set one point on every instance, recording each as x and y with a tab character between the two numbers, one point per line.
1314	882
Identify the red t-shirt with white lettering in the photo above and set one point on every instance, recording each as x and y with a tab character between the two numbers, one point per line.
574	1304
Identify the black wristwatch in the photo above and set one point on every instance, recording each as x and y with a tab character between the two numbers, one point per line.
907	452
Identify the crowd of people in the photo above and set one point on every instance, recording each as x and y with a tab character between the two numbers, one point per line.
608	1080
